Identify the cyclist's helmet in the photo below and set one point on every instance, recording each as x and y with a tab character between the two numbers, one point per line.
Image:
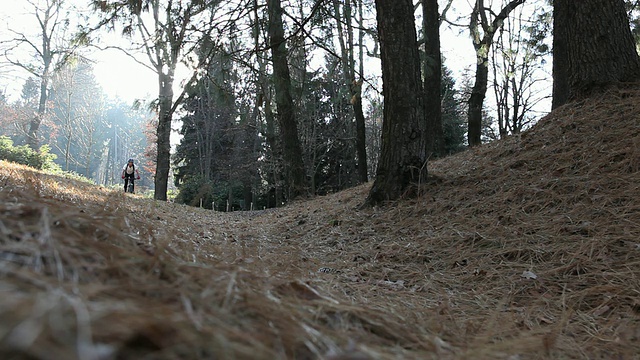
130	160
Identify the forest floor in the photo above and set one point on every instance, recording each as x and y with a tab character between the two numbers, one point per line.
525	248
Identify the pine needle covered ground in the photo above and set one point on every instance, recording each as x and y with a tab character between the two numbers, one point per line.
527	248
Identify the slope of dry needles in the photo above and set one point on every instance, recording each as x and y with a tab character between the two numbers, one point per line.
526	248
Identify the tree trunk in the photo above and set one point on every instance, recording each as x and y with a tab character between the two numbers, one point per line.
432	77
476	102
404	134
355	89
34	125
560	70
164	136
593	44
361	140
361	130
292	151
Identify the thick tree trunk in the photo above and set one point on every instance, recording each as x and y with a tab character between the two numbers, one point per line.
593	44
404	134
292	151
165	115
433	77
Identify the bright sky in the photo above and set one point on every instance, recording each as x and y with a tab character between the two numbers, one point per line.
121	76
118	74
131	82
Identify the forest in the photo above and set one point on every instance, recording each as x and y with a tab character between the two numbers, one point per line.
276	100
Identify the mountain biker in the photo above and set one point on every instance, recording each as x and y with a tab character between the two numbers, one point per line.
128	172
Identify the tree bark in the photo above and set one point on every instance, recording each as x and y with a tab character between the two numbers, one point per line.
165	115
593	48
432	77
560	67
404	133
476	102
361	136
292	151
34	125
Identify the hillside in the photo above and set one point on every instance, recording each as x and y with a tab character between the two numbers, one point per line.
527	248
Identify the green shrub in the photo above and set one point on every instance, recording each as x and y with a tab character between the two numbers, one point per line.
41	160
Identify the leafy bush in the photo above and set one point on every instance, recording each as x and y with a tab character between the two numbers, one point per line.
41	160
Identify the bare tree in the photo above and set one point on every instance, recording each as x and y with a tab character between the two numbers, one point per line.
483	26
517	83
48	51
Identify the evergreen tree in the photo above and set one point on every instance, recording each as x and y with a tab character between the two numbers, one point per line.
204	158
328	131
453	121
77	115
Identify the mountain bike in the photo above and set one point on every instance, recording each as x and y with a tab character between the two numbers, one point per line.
131	185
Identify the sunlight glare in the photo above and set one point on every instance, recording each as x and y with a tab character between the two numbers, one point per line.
120	76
